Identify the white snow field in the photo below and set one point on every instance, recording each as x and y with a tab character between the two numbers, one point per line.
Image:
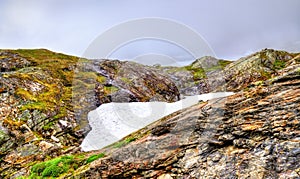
112	121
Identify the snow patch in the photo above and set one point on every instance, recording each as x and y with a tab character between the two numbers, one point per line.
112	121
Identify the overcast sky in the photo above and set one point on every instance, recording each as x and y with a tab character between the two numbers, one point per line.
231	28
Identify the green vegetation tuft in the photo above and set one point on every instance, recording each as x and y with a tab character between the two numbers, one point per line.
126	80
198	73
87	76
124	142
110	89
266	75
57	64
101	79
48	125
24	94
54	167
221	65
34	106
94	157
224	63
258	83
3	136
279	64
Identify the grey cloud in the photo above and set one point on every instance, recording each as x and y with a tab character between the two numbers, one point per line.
232	27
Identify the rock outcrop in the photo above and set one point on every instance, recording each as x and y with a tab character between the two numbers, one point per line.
195	78
259	66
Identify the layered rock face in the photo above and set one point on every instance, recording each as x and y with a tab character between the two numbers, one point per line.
252	134
262	65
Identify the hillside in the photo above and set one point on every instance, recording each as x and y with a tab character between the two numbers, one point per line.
45	97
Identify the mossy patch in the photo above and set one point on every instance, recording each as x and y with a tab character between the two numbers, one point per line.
224	63
42	106
25	94
44	101
198	73
220	66
86	76
48	126
3	136
279	64
54	167
101	79
266	75
259	83
124	142
57	64
110	89
126	80
94	157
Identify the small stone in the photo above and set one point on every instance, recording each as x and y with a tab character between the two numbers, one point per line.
54	138
45	145
165	176
226	137
216	157
63	123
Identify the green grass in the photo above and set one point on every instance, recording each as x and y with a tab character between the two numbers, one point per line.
61	166
198	73
101	79
259	83
24	94
54	167
3	136
124	142
224	63
221	65
126	80
110	89
42	106
265	74
82	75
94	157
48	125
279	64
56	64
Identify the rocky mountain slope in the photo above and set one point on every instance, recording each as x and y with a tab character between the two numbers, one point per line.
45	98
252	134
